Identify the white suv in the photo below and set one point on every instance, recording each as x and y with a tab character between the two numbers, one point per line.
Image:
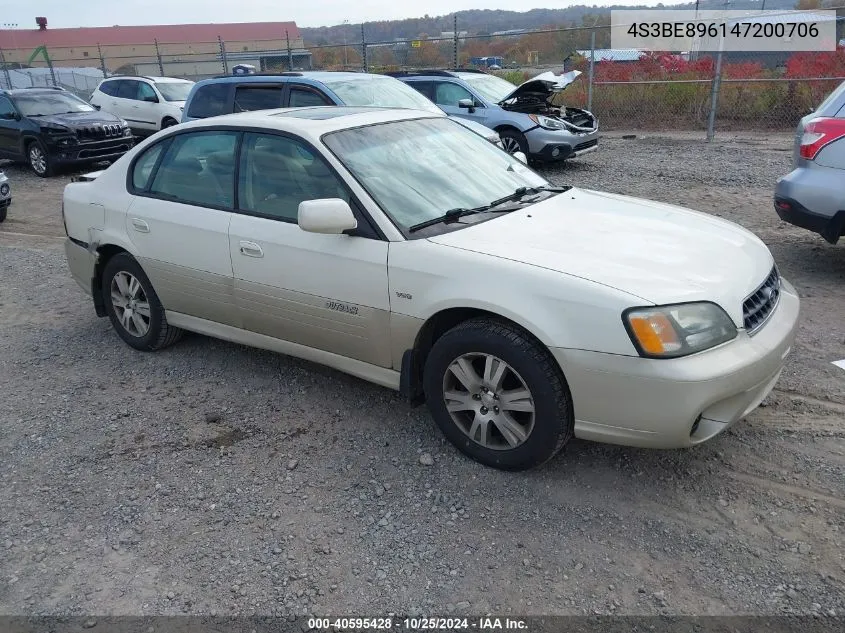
400	247
148	104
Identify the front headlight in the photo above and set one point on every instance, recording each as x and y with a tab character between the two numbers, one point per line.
547	122
56	130
678	330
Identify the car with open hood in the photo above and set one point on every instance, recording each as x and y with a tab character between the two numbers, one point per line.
51	127
400	247
527	117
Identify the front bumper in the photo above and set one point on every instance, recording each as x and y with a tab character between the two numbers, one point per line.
676	403
555	145
812	198
91	151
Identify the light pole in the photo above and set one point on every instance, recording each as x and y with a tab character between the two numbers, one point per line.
345	50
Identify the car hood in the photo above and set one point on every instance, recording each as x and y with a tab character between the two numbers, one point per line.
545	83
657	252
75	120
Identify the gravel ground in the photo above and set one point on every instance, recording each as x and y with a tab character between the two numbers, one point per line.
213	478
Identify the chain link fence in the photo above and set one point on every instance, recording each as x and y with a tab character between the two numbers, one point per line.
627	90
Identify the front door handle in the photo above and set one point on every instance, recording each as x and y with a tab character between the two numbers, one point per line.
140	226
251	249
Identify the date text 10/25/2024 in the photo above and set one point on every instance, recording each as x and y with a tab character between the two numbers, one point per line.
485	623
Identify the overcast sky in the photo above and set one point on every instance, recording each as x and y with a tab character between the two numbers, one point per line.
62	13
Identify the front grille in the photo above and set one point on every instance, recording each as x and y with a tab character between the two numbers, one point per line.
99	132
586	144
757	308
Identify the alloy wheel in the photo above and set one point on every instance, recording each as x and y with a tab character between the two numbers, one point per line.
510	145
489	401
37	159
130	304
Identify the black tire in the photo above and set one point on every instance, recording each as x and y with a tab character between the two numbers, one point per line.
553	421
36	166
3	213
512	139
159	334
168	122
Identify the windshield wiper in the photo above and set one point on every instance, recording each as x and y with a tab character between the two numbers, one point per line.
451	214
454	214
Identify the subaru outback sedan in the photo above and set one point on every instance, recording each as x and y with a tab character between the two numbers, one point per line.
399	247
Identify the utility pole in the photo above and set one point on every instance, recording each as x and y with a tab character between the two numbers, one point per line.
158	57
455	42
223	60
290	55
6	70
717	83
345	49
363	47
102	60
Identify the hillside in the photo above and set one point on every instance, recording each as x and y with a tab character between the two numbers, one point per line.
488	21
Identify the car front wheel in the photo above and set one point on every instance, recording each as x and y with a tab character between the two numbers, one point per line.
133	306
498	395
513	142
39	160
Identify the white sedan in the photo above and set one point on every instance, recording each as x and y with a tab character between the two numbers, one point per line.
400	247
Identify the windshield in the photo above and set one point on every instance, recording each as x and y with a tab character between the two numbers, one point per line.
174	91
417	170
492	88
384	92
47	103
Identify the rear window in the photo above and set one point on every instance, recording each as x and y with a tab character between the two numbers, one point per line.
209	100
109	88
249	98
832	98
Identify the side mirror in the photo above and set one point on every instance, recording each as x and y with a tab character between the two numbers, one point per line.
522	158
331	216
150	99
10	116
467	104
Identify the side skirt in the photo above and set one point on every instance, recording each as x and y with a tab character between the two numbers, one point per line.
371	373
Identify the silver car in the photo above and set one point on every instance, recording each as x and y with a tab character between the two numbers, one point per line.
525	116
812	195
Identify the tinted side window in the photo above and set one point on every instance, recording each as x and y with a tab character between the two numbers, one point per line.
128	89
209	100
109	88
199	168
277	173
7	110
304	98
146	92
248	98
450	94
144	166
424	87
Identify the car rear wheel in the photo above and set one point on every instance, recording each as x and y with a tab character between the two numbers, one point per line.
39	160
168	122
513	142
133	306
498	395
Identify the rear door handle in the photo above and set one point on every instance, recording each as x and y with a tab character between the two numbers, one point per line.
140	226
251	249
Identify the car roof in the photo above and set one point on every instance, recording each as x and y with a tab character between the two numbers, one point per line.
149	78
321	76
29	91
313	121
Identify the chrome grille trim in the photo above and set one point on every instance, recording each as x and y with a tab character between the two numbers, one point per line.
761	304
